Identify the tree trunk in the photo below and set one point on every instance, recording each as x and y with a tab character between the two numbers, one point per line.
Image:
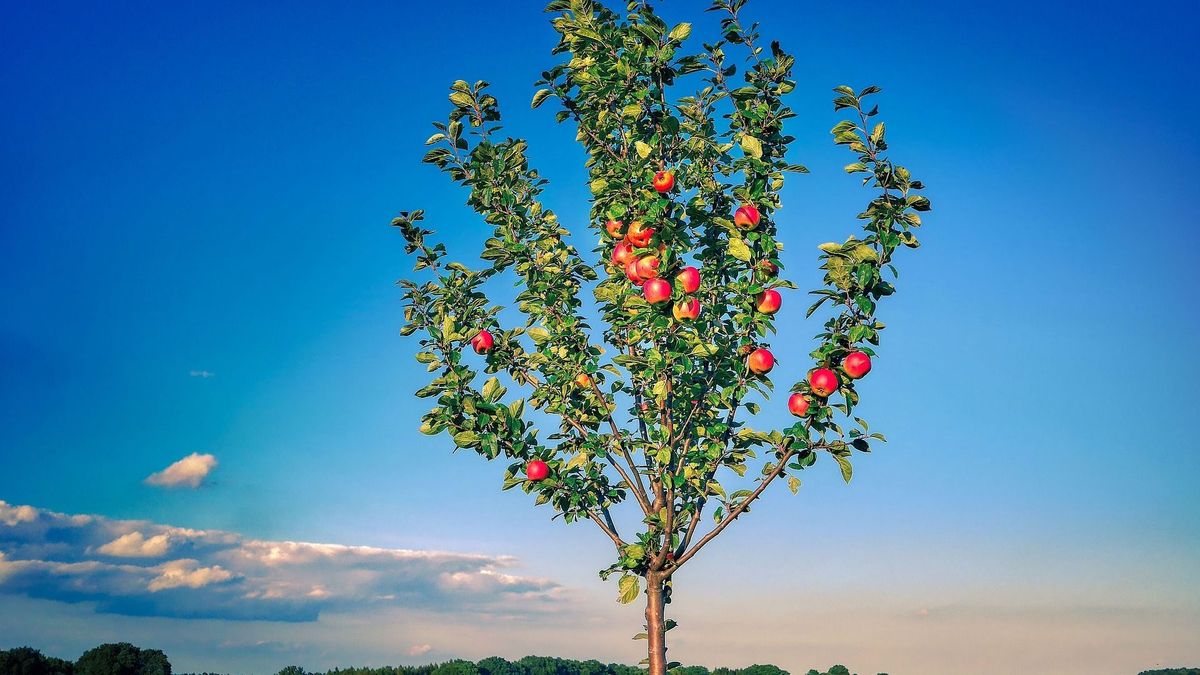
656	629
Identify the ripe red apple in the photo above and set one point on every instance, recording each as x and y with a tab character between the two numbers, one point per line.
615	229
746	216
583	380
760	361
856	364
657	291
482	342
688	279
823	381
770	269
631	272
797	404
768	301
537	470
639	235
622	253
686	310
664	181
647	266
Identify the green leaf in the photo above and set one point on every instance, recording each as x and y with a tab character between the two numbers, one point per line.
492	390
462	99
466	439
538	334
628	587
752	146
589	34
847	469
739	250
540	97
643	149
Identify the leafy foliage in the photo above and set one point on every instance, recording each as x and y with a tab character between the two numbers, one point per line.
646	407
122	659
29	661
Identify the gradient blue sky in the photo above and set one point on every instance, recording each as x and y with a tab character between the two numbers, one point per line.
206	188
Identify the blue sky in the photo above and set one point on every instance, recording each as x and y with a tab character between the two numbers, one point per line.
196	190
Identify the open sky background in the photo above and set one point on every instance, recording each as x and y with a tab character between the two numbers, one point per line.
195	258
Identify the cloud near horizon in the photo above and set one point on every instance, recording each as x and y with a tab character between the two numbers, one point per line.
139	568
188	472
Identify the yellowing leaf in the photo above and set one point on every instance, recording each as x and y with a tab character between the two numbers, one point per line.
628	587
538	334
578	460
461	99
681	32
739	250
540	97
752	146
793	484
643	149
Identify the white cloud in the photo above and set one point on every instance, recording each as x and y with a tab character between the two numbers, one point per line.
203	374
189	574
119	566
12	515
187	472
419	650
137	545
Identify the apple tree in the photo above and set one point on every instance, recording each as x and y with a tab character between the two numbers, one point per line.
647	355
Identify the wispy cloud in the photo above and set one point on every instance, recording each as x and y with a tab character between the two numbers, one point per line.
419	650
188	472
140	568
203	374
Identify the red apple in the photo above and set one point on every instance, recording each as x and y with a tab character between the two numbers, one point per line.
760	361
631	272
657	291
638	234
647	266
768	301
622	253
583	380
856	364
615	229
482	342
797	404
537	470
664	181
746	216
686	310
688	279
823	382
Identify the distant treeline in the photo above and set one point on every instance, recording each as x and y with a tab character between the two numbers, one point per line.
126	659
111	659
